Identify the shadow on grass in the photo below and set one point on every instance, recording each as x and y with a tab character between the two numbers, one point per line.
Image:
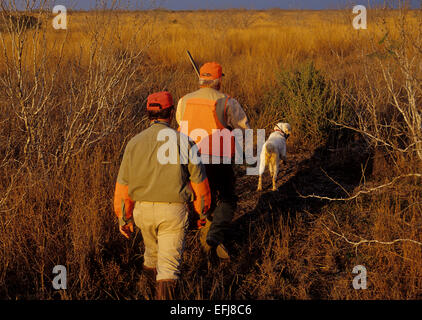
325	173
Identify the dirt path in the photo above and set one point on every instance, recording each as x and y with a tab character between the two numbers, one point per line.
246	185
307	172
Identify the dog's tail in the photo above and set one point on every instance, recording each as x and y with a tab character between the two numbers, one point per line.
270	151
269	148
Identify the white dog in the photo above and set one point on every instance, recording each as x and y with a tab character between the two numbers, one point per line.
273	151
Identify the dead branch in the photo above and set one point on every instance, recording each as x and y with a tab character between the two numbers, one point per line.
367	191
356	244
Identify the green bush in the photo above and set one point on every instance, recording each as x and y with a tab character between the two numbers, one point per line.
305	99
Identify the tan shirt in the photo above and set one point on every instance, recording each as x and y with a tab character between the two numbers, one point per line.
148	179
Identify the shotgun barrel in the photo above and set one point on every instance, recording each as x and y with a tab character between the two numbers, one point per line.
193	63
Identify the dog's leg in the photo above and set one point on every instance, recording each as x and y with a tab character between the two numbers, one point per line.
274	181
275	172
262	164
271	167
259	183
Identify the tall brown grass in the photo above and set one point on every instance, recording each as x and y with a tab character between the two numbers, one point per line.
70	101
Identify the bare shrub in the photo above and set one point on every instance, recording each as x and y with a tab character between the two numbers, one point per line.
60	105
388	98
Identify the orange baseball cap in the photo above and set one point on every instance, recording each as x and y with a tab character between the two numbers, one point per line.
160	101
211	71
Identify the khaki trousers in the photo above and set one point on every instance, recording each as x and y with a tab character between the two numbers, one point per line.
163	226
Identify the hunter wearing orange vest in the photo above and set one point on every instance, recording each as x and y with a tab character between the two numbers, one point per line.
208	116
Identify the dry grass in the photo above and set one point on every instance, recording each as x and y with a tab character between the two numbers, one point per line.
59	163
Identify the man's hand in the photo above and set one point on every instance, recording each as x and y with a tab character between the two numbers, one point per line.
201	223
201	208
126	230
202	201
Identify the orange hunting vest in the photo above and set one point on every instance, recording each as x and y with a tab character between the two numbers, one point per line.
205	128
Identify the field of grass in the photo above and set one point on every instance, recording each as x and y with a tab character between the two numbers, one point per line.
71	99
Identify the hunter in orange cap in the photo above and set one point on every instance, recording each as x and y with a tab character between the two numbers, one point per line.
153	196
211	71
211	111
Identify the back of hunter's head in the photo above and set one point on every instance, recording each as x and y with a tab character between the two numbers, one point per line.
160	105
210	75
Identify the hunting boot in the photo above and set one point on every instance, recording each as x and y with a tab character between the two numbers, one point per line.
203	236
165	289
150	275
222	252
218	248
220	226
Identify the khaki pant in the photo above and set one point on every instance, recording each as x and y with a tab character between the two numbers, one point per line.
163	227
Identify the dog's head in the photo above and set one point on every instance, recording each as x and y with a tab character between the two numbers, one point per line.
285	127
